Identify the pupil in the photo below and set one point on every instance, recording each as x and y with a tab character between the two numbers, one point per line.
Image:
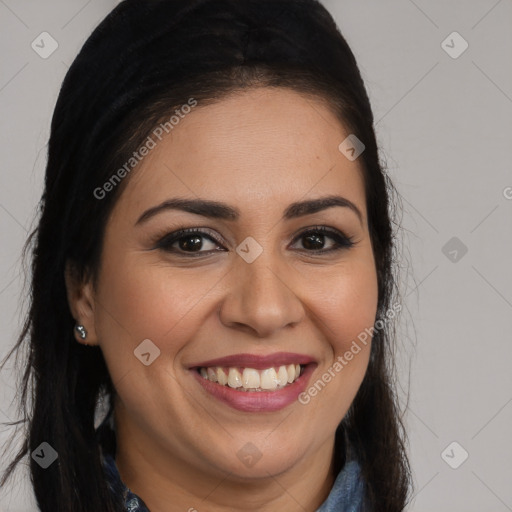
197	242
315	239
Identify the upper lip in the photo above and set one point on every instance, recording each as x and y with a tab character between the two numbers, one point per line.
255	361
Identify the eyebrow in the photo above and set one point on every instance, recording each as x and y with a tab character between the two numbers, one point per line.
223	211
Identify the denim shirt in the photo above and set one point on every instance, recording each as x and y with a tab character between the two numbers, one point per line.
346	494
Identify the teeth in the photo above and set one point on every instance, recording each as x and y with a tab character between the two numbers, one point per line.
269	379
234	378
222	377
282	376
251	378
212	375
290	370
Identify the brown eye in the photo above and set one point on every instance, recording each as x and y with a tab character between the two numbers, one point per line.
196	242
190	241
313	240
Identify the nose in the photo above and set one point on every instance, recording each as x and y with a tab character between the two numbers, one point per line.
260	299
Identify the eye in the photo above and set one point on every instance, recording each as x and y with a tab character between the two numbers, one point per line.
195	241
188	241
315	238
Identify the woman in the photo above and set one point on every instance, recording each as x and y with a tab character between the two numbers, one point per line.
214	261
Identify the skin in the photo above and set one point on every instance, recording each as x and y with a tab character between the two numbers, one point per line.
258	151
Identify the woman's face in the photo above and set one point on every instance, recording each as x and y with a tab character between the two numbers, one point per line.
262	287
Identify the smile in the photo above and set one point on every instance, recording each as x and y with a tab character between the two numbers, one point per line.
251	379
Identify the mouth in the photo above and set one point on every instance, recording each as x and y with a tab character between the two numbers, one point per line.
253	383
252	379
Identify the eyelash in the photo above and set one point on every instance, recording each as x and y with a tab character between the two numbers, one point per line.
165	243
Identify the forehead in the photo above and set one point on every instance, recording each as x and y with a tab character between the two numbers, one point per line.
257	148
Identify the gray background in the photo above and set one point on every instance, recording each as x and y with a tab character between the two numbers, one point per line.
445	127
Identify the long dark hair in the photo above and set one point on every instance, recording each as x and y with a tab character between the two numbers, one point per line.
146	59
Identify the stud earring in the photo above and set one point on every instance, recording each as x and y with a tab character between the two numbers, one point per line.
81	331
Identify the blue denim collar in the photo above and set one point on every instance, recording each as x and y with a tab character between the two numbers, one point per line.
346	494
132	502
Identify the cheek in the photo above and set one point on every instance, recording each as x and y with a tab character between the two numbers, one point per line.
145	300
347	302
345	311
148	301
346	307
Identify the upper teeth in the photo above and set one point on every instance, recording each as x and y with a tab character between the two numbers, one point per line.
269	379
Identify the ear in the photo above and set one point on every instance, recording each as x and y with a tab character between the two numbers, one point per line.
81	302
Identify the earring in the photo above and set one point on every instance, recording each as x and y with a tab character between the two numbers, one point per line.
81	331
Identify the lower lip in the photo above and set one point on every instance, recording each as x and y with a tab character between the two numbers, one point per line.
258	401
